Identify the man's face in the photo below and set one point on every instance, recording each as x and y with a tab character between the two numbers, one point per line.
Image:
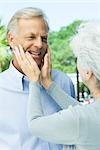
32	36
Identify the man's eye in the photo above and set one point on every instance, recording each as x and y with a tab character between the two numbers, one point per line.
30	38
44	39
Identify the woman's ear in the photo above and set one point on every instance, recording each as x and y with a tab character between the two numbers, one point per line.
88	74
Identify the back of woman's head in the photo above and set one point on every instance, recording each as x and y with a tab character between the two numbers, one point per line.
86	46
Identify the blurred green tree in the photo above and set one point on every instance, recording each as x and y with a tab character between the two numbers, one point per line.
5	53
62	56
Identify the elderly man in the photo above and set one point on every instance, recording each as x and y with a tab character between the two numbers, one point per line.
29	28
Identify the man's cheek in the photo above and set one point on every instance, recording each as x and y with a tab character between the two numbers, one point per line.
44	52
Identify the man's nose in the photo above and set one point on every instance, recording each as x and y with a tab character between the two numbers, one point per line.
38	42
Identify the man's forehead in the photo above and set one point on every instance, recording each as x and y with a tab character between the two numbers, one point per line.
33	28
34	33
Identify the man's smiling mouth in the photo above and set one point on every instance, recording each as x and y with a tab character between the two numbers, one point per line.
35	54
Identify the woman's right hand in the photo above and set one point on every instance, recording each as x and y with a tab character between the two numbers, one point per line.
27	64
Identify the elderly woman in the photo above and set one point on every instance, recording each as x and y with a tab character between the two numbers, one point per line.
77	127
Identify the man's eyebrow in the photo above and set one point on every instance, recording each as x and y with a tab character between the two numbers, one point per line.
31	34
44	36
35	34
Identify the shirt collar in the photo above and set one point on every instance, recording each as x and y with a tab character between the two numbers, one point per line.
16	76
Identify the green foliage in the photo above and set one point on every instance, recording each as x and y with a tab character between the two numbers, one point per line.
5	57
5	54
3	40
62	56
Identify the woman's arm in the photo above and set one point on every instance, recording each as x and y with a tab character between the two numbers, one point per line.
61	98
61	127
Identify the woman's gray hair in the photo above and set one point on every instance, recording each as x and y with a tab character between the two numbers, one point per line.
25	13
86	46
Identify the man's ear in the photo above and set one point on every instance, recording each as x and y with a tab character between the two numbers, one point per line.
10	38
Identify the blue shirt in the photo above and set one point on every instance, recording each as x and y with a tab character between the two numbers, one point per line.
14	91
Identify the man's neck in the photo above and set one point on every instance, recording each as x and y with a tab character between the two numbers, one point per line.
15	64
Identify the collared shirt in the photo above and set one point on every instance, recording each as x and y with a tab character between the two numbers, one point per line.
14	91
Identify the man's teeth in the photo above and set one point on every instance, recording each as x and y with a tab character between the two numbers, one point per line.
34	53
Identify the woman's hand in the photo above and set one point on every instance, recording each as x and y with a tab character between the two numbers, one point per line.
46	71
27	64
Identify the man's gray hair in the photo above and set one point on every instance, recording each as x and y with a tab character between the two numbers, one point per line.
25	13
86	46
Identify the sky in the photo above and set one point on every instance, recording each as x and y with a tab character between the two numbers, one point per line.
59	12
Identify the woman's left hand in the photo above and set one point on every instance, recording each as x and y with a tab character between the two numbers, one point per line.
46	80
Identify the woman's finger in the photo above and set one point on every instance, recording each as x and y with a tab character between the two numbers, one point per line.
21	58
17	54
22	53
48	51
32	61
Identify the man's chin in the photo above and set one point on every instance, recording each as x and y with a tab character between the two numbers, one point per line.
39	62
